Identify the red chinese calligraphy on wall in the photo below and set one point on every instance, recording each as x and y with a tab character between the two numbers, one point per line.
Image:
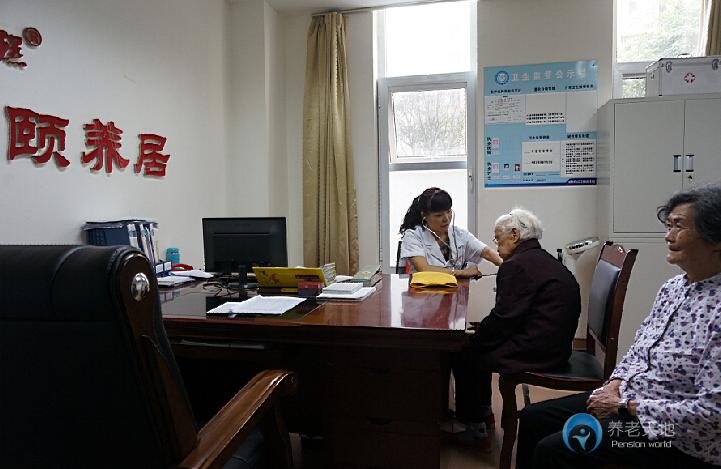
150	157
106	140
10	51
31	132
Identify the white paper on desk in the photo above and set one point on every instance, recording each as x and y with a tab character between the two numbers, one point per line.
358	295
271	305
195	273
171	281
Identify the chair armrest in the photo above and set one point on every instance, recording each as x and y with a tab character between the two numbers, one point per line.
224	433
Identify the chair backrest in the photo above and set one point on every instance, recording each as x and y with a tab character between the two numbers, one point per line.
87	377
605	303
400	268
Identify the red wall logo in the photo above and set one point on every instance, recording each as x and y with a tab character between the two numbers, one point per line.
11	46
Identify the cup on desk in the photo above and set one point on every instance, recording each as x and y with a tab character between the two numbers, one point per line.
172	255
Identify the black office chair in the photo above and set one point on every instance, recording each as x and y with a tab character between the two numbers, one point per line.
400	268
88	379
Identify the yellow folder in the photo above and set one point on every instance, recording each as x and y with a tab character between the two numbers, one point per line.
433	279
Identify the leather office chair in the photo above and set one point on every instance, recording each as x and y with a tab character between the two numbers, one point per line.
88	379
583	371
400	268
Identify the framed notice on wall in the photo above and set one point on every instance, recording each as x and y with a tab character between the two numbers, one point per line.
540	124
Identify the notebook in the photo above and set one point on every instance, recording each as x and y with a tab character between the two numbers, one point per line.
287	278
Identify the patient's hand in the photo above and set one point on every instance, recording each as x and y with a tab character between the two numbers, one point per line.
603	402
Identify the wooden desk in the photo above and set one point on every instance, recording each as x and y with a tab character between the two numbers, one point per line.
371	372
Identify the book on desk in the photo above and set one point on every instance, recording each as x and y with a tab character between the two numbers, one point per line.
368	275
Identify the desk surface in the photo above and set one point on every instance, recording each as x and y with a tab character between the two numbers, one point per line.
394	316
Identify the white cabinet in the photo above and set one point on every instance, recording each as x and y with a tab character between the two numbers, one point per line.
649	148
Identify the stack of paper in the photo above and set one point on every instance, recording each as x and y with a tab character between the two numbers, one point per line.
270	305
359	295
173	280
346	288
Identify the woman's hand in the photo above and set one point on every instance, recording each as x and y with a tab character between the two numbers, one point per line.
603	402
470	271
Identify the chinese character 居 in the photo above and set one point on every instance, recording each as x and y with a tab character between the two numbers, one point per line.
150	157
105	139
30	132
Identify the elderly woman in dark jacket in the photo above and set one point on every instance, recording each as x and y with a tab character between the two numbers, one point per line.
532	325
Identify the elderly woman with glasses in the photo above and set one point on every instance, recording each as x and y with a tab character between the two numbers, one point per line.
432	242
667	389
532	324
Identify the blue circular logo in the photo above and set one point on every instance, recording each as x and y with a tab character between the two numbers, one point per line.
582	433
501	77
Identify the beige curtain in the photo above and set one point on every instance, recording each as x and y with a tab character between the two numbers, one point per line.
330	218
713	41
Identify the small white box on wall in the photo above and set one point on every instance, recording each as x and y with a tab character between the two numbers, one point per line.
689	75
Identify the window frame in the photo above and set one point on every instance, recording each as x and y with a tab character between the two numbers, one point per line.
386	88
635	70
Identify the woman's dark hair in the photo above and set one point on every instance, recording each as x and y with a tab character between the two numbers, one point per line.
432	199
706	203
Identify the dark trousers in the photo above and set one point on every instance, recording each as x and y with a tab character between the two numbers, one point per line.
473	385
541	445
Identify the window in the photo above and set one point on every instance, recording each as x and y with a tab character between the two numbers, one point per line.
426	115
652	29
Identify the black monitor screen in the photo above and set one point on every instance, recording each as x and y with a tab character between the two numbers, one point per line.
232	242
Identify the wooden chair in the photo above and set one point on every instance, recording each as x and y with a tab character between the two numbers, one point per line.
585	370
89	379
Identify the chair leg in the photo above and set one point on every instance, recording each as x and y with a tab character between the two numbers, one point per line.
509	420
277	439
526	394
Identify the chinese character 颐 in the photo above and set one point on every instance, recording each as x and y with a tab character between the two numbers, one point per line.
31	132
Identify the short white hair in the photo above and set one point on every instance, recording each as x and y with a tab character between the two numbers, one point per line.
527	224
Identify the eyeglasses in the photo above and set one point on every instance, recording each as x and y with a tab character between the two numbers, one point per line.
675	229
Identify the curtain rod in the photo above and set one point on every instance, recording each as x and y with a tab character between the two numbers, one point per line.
381	7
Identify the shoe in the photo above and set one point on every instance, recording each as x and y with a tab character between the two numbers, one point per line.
452	426
475	436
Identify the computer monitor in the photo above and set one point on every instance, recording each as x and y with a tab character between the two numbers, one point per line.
233	242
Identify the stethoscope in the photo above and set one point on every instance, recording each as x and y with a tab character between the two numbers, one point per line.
450	260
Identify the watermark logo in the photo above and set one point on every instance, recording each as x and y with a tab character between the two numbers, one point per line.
501	77
582	433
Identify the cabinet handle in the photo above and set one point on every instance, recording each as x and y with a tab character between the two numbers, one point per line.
676	163
688	163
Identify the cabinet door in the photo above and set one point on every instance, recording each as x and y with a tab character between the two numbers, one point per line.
647	136
702	142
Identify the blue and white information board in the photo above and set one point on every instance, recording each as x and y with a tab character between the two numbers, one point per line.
540	124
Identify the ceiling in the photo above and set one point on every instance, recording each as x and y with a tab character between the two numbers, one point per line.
294	7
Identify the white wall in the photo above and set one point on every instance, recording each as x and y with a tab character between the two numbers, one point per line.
361	86
295	30
147	65
249	162
514	32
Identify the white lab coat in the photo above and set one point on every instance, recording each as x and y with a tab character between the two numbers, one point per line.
465	248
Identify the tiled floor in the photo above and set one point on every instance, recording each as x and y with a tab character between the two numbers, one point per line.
455	455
